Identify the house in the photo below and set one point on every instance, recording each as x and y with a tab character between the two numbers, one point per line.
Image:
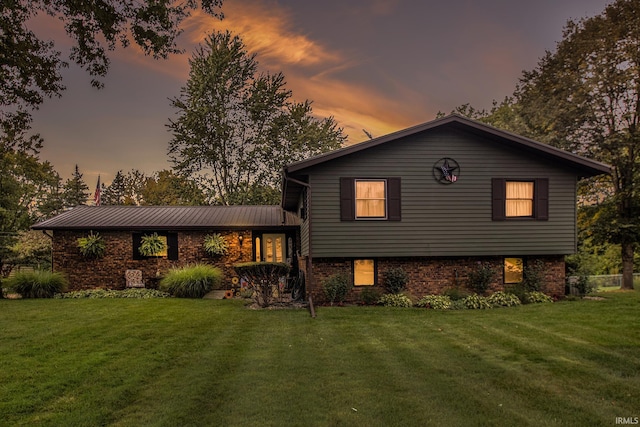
266	233
437	200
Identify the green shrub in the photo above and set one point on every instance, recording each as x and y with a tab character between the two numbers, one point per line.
456	293
395	300
336	287
215	244
37	284
476	302
106	293
503	299
92	246
264	279
152	245
192	281
534	276
370	296
436	302
480	278
537	297
395	280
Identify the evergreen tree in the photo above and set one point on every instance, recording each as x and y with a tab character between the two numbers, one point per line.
76	191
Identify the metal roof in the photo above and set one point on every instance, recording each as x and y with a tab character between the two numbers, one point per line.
169	218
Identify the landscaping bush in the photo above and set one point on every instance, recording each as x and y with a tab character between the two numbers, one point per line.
436	302
107	293
456	293
215	244
534	276
503	299
480	278
92	246
336	288
37	284
395	280
537	297
395	300
476	302
370	296
263	279
192	281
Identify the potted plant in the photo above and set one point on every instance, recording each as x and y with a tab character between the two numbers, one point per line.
92	246
152	245
215	244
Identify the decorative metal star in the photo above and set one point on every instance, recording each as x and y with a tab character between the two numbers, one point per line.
446	170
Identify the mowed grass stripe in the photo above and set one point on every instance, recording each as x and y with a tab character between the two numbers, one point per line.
202	362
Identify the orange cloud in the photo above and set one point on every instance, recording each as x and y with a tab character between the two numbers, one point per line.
311	69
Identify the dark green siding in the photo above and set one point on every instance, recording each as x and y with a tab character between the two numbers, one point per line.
437	219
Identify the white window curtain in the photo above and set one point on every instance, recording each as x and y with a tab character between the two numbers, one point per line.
371	199
519	201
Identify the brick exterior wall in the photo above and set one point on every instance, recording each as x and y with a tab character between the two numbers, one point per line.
108	272
433	275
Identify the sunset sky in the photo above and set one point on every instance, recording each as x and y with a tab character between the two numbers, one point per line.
379	65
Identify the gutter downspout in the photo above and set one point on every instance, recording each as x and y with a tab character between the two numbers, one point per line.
310	256
51	237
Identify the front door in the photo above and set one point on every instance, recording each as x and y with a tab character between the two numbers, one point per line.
274	247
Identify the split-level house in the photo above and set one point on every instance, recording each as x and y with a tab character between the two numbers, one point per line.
438	200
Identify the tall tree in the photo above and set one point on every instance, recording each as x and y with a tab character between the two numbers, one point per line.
236	128
76	191
25	185
30	70
585	97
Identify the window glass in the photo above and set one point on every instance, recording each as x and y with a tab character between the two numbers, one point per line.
513	270
364	272
257	246
519	199
371	199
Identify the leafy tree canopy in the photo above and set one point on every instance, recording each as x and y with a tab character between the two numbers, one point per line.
585	97
166	188
31	66
236	128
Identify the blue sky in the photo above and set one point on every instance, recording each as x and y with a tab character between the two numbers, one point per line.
379	65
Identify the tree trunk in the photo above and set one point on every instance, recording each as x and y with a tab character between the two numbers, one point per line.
627	265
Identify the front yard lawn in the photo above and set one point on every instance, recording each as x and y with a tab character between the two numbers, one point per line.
170	362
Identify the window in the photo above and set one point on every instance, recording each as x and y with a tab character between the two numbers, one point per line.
364	272
517	199
513	270
371	199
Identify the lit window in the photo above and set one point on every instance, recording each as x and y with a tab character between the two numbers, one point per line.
364	272
513	270
371	199
519	199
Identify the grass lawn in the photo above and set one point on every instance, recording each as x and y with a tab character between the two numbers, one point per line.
176	362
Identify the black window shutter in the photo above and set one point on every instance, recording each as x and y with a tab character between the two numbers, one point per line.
137	240
541	196
347	199
498	199
172	243
394	199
